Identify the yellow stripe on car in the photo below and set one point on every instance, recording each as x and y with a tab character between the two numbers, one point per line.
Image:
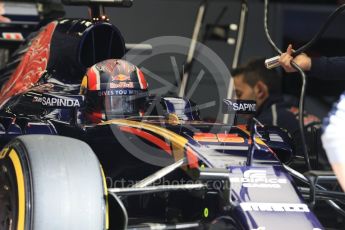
257	139
21	188
178	142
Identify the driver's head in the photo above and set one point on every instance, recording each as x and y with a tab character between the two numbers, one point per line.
113	88
254	81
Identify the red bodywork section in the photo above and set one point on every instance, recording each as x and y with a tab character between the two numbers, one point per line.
32	66
151	138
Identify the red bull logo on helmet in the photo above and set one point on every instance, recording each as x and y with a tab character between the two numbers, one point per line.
121	77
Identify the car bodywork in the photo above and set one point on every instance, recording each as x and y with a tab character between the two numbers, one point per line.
40	95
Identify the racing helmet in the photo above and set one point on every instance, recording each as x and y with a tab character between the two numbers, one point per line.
113	88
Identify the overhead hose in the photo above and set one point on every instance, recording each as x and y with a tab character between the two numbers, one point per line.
300	114
316	37
266	29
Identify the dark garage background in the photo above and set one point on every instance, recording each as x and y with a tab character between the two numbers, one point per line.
289	21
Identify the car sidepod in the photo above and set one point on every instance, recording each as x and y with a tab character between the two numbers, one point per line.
265	198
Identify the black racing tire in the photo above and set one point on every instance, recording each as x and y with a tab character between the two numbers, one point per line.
51	182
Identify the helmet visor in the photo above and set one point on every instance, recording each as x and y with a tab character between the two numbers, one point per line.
114	104
121	105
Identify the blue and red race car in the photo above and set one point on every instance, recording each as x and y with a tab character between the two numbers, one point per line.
81	151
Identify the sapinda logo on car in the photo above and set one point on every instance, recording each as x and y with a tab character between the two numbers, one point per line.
243	106
60	102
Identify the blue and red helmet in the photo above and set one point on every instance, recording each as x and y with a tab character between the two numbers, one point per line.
114	88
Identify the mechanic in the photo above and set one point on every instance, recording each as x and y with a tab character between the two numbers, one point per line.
113	88
254	81
330	68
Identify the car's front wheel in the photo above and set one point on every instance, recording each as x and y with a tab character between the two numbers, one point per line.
51	182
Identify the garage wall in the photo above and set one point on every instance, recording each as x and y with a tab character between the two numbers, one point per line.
152	18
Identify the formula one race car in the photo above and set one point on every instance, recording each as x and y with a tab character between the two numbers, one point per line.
79	152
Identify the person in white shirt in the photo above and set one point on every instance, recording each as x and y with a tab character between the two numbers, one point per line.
2	11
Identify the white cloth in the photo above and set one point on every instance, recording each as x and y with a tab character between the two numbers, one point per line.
333	138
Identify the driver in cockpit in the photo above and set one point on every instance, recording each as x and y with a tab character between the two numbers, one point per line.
113	88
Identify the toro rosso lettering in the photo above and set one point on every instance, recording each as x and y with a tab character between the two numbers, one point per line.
258	179
60	102
274	207
239	106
